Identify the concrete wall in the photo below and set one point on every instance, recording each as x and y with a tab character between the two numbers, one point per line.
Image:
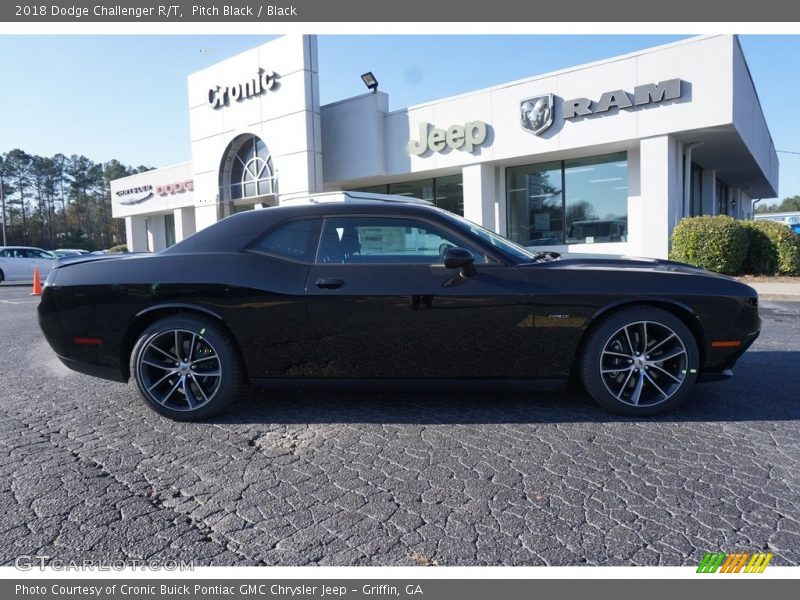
703	63
163	202
749	121
286	118
357	142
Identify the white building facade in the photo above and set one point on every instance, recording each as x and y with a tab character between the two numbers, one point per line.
605	157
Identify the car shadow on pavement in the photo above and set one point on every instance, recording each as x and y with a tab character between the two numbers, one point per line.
763	389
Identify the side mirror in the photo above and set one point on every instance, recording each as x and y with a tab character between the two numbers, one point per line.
459	258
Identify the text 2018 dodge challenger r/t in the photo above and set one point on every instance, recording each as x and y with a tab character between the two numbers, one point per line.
379	291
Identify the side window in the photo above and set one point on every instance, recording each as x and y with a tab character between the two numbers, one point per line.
294	240
42	254
382	240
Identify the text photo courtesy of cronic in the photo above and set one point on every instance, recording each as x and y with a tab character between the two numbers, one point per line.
183	589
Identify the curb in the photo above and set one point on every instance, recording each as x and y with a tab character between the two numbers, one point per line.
780	297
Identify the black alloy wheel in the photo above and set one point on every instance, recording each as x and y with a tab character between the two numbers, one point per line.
639	361
186	367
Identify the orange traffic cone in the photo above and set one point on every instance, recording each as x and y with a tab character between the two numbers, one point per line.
37	283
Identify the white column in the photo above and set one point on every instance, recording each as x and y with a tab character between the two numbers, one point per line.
184	223
156	233
479	194
736	203
136	234
654	213
745	206
709	191
205	215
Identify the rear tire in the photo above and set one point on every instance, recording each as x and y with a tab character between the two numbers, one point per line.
639	361
186	368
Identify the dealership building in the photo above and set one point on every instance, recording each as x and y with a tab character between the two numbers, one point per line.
603	157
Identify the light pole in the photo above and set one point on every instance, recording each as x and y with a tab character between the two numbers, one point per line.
3	202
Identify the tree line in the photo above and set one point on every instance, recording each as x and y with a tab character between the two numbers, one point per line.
786	205
60	201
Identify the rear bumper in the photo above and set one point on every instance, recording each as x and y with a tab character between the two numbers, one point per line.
93	370
97	361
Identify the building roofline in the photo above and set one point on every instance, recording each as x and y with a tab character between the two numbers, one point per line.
758	99
180	164
564	71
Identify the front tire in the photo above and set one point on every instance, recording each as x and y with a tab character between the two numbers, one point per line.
186	368
639	361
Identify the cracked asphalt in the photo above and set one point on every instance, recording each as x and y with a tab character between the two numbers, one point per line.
299	478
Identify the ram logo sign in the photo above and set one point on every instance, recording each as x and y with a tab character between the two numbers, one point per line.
536	114
649	93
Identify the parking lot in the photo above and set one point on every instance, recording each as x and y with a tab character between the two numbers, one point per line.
297	478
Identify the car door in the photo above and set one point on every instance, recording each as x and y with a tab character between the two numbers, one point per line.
29	258
42	259
382	304
15	264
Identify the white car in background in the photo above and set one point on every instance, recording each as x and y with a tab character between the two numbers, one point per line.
18	262
62	252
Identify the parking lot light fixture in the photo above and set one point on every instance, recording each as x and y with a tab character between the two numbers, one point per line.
369	80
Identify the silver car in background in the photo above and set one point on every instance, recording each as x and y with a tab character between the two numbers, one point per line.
18	262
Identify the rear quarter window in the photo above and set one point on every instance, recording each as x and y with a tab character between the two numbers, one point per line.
294	240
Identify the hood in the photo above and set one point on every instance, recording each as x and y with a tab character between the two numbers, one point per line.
633	263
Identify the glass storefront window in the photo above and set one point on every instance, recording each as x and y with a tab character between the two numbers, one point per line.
169	229
535	204
422	188
450	194
722	198
444	192
696	192
596	199
579	201
373	189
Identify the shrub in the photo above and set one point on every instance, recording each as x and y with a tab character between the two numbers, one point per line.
785	244
714	243
118	249
762	253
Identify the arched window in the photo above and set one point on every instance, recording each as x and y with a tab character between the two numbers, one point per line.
247	170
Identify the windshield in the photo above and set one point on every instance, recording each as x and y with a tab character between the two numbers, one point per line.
518	252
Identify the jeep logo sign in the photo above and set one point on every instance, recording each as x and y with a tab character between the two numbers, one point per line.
643	95
458	137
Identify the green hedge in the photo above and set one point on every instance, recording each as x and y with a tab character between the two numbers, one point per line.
787	245
762	255
118	249
725	245
714	243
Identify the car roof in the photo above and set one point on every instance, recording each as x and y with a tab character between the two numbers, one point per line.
353	196
227	235
22	248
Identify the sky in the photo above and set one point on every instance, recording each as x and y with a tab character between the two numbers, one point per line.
125	97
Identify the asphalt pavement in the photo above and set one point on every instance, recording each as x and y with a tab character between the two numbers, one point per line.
298	478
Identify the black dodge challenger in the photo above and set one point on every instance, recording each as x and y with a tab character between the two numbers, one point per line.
383	293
